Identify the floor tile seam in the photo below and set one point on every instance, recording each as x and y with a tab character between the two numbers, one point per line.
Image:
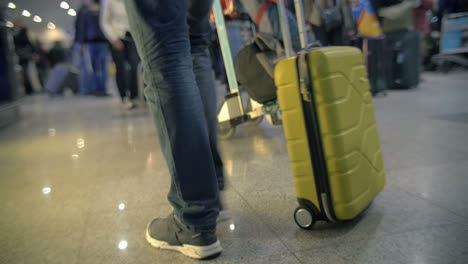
278	235
461	158
431	202
109	211
421	141
412	230
298	259
309	249
344	258
382	235
266	225
424	166
332	244
440	145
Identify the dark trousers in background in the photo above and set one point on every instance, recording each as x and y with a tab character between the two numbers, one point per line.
126	66
28	89
330	38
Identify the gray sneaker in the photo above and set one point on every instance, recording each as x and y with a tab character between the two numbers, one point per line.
169	233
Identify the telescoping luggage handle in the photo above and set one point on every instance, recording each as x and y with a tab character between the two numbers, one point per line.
298	6
304	79
226	50
224	43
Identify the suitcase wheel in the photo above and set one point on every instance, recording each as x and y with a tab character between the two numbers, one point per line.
226	133
304	217
256	121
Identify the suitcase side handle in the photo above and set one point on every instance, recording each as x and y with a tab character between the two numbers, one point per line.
304	78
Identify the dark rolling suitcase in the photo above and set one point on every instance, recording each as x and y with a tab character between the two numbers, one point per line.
376	57
60	77
405	69
374	51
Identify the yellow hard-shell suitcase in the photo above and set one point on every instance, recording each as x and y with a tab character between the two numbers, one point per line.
333	143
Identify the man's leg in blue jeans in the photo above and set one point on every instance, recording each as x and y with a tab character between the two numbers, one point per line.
161	32
199	27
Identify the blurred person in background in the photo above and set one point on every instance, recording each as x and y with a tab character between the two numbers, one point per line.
452	6
93	48
41	58
420	16
114	24
421	24
265	14
25	52
57	54
313	10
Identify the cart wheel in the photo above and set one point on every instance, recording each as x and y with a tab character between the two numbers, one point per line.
445	67
226	133
304	217
256	121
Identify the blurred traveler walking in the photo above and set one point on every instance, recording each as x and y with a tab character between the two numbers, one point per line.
42	62
25	51
93	47
326	18
172	39
57	54
114	24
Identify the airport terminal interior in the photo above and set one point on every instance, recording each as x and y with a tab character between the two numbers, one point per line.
82	174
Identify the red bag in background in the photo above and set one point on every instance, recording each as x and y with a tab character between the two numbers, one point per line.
420	18
229	10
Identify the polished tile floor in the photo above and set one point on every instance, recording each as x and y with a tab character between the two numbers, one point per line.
79	180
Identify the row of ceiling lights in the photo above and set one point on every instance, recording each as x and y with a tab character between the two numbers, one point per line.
38	19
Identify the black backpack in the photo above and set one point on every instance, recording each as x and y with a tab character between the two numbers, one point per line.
255	66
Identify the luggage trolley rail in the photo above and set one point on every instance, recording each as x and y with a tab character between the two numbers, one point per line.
453	40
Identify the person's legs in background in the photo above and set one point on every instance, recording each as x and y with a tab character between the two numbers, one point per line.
161	34
133	60
85	83
28	89
320	35
98	54
118	56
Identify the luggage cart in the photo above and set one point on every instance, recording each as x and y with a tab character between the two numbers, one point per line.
237	108
453	41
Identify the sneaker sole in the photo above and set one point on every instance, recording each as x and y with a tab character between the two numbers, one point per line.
195	252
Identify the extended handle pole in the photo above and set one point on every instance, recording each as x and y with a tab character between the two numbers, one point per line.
285	29
299	7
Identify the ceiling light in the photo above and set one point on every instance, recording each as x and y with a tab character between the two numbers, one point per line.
80	143
64	5
10	24
50	25
26	13
37	19
71	12
52	132
11	5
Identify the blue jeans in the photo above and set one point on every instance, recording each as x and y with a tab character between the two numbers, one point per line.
172	38
93	69
273	15
235	38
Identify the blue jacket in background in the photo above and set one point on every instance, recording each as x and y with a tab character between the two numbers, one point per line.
87	28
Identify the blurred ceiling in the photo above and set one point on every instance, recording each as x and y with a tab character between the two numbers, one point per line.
48	11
